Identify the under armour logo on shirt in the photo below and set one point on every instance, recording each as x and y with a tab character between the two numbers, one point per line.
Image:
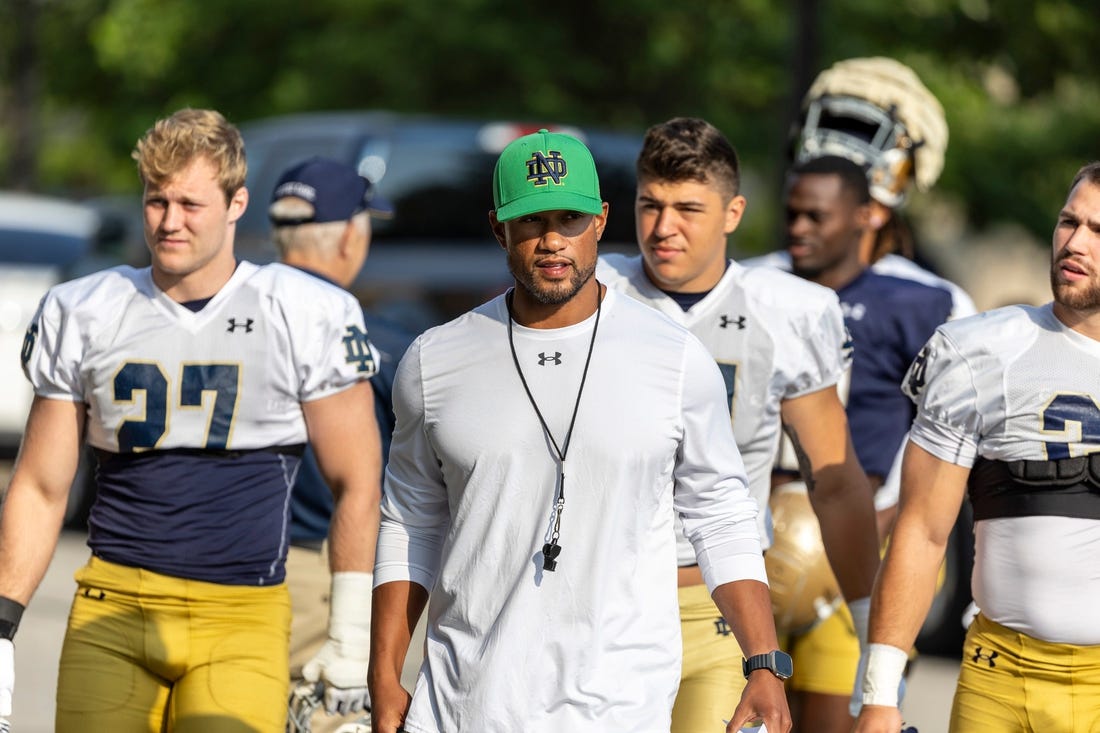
545	358
726	322
234	325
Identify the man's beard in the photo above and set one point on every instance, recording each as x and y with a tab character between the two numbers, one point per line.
551	293
1072	296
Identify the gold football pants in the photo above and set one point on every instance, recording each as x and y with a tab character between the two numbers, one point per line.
1011	682
146	653
712	678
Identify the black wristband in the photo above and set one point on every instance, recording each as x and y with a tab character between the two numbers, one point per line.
10	613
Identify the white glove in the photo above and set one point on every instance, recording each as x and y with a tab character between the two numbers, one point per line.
362	725
7	676
342	662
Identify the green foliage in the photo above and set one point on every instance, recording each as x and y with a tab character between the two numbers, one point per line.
1016	77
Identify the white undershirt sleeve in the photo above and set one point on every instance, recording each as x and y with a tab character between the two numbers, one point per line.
415	512
711	494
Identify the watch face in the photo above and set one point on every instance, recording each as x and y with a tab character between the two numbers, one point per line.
777	662
784	667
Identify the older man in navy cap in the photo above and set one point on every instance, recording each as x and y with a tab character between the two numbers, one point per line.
321	212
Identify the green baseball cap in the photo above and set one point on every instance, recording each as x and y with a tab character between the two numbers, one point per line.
545	171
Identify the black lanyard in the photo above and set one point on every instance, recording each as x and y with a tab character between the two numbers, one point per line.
552	549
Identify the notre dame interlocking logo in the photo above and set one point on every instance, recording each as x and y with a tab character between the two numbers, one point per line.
917	372
28	343
357	350
541	169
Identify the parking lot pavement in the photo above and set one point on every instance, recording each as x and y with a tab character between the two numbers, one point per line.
927	703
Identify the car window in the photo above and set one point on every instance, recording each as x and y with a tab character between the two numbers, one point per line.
438	174
24	247
438	191
268	159
444	193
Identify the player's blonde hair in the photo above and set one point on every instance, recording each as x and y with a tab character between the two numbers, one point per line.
173	142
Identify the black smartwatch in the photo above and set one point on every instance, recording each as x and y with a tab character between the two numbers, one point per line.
777	662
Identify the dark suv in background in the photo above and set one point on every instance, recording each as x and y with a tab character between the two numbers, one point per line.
436	257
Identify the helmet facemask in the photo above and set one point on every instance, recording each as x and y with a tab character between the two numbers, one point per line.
864	133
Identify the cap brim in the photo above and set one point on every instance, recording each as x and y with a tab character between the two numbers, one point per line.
549	201
380	207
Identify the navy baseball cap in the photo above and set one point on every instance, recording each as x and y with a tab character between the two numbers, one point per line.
334	191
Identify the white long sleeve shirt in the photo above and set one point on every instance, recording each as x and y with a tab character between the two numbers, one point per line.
470	487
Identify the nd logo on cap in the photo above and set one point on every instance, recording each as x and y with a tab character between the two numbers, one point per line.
545	171
541	169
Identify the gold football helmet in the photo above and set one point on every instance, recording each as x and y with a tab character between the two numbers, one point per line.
876	112
804	590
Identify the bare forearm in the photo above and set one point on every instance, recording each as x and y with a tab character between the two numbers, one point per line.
904	590
29	529
746	606
932	491
353	532
846	514
34	506
397	607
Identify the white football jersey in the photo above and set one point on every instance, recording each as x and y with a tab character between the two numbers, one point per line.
156	375
1009	384
1012	383
775	337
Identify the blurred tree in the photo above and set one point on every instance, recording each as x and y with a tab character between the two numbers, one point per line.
19	18
1015	76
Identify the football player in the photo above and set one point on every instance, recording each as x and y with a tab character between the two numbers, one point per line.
198	380
876	112
889	318
1007	413
781	345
